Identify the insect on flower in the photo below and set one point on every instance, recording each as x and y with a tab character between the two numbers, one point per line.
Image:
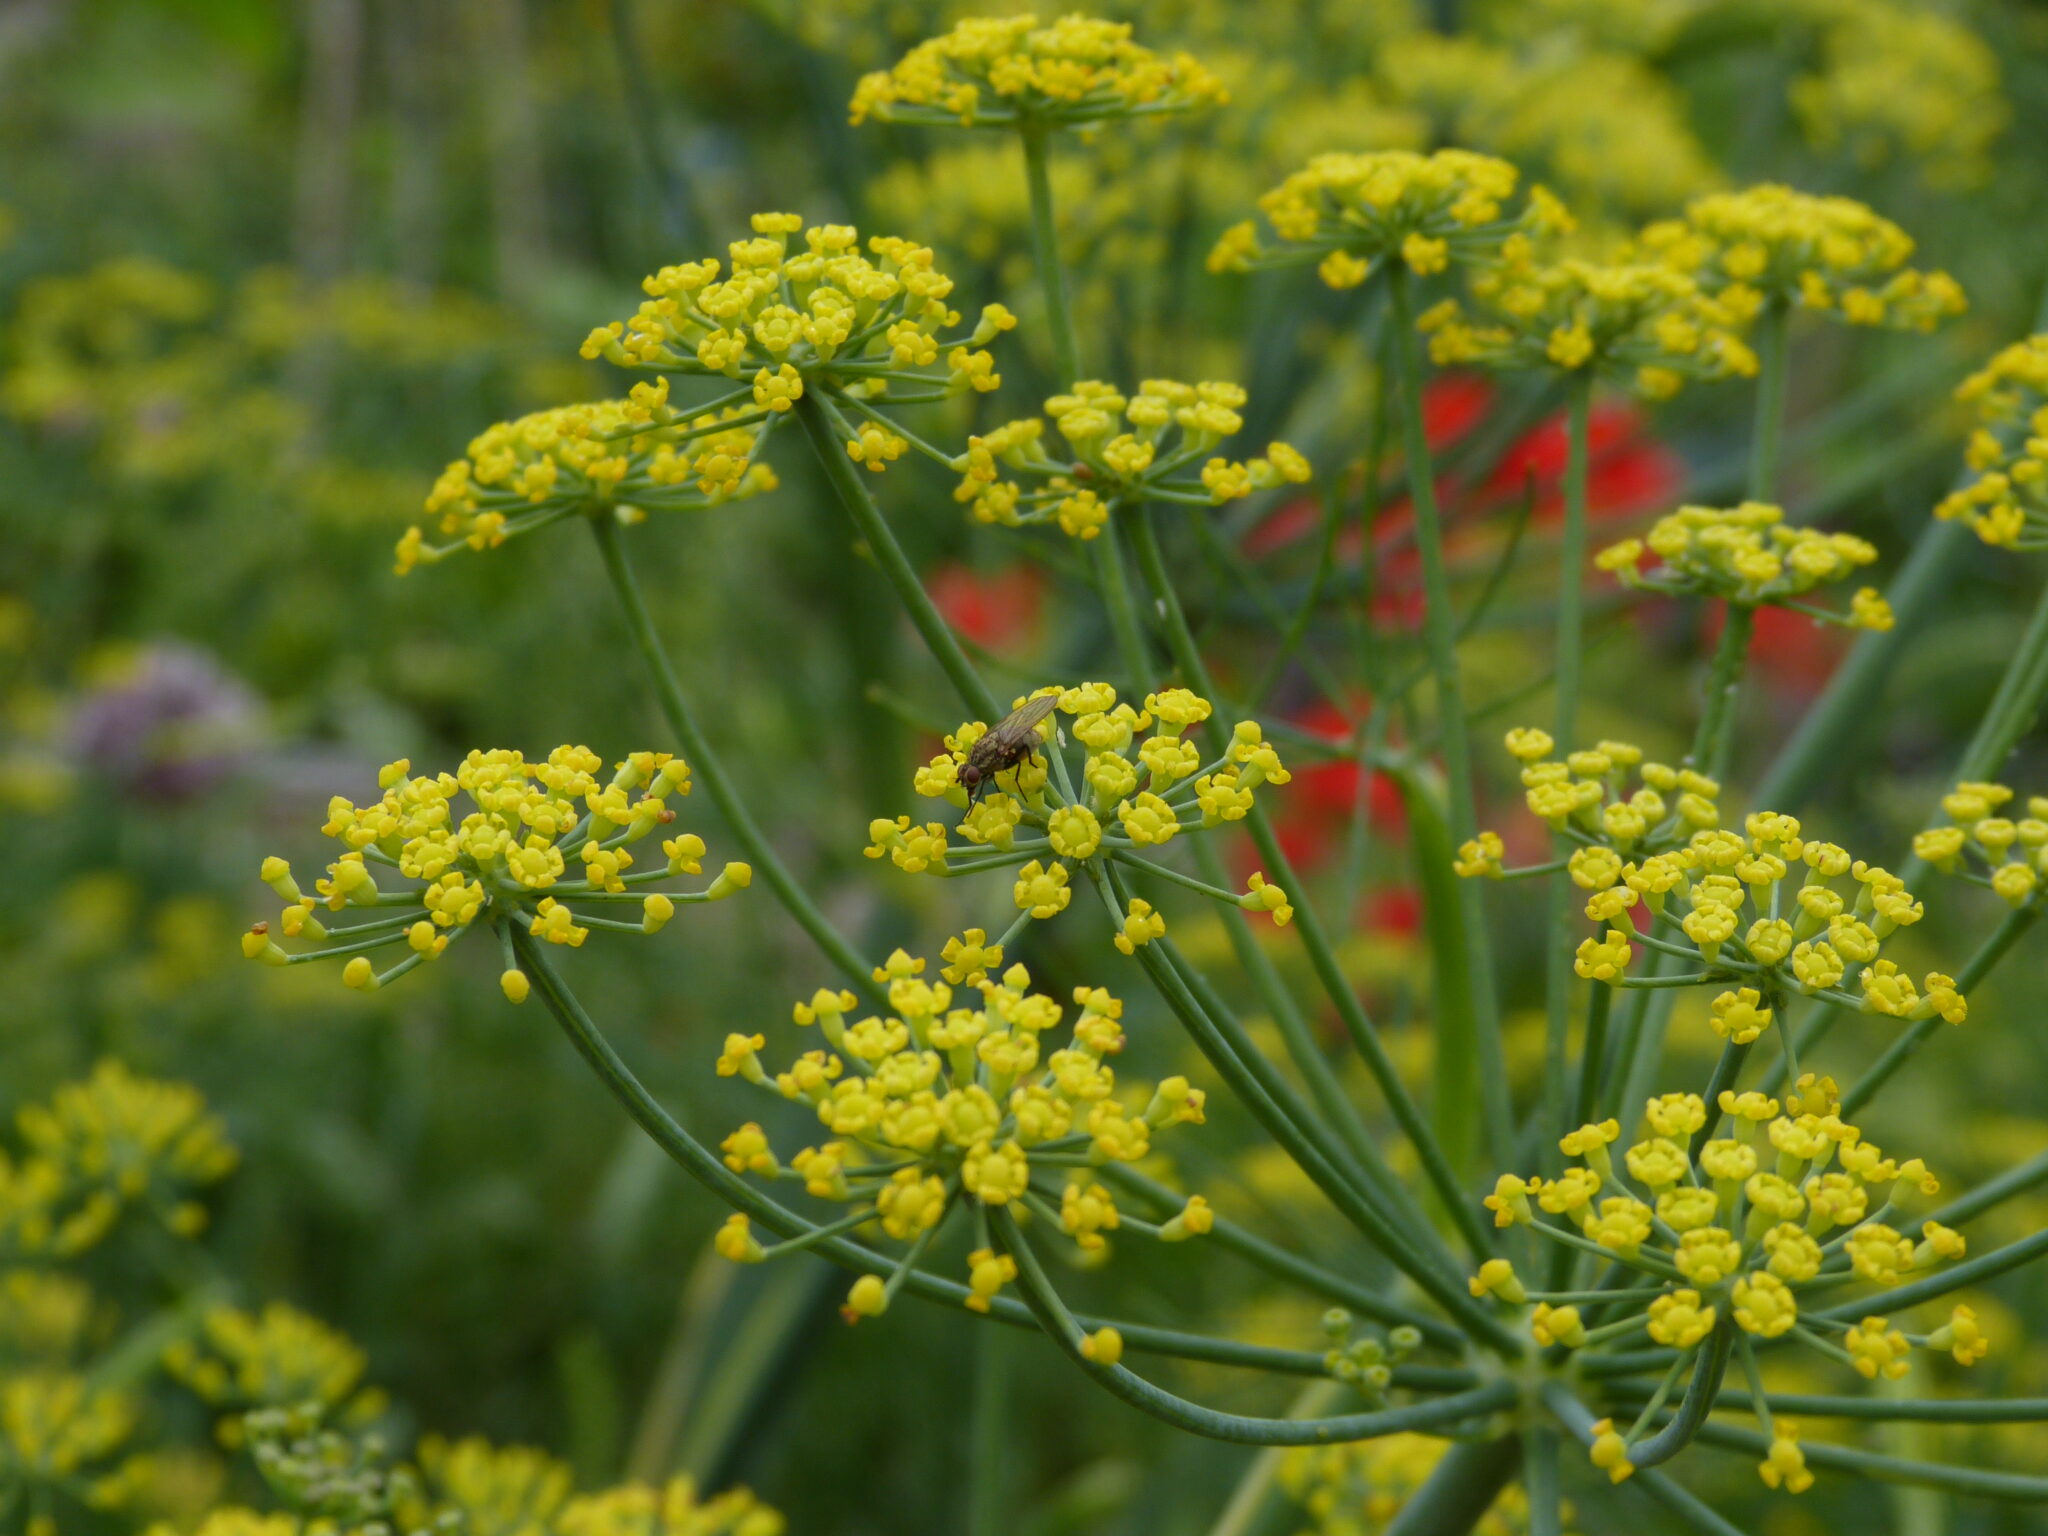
1009	743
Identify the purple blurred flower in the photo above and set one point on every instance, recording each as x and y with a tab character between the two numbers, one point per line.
172	726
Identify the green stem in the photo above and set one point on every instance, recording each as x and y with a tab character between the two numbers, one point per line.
1188	658
1045	250
1455	1085
1559	975
1713	747
1593	1054
1546	1506
1693	1408
711	774
1105	553
1160	962
2014	1181
830	446
1279	1262
989	1430
1332	1102
1440	637
1067	1331
1774	354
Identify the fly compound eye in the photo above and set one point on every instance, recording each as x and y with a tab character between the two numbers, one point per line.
970	777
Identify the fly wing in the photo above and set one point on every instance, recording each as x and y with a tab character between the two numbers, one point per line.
1018	732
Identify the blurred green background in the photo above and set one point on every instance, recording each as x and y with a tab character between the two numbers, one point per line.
267	266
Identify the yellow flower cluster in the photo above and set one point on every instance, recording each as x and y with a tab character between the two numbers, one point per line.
472	1485
108	1144
1131	791
1902	82
1347	212
278	1358
2012	854
938	1101
1643	320
1716	895
1749	556
2007	501
620	458
992	71
1732	1233
1361	1486
58	1432
1771	245
1119	450
505	861
786	321
1606	129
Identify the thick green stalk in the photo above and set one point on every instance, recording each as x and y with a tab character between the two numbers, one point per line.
1593	1055
1439	625
1455	1085
1045	250
1559	975
1546	1501
1105	553
711	774
1462	1488
1068	1332
989	1432
1714	746
1774	356
830	445
1694	1407
1188	657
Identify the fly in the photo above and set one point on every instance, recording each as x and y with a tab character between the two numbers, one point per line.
1006	745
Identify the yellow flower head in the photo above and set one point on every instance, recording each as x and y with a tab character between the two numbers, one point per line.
613	458
1644	321
417	848
1351	212
989	71
1126	447
1770	244
783	316
1748	556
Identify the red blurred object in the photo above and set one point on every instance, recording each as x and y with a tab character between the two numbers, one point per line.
1314	813
1788	651
991	608
1630	474
1396	910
